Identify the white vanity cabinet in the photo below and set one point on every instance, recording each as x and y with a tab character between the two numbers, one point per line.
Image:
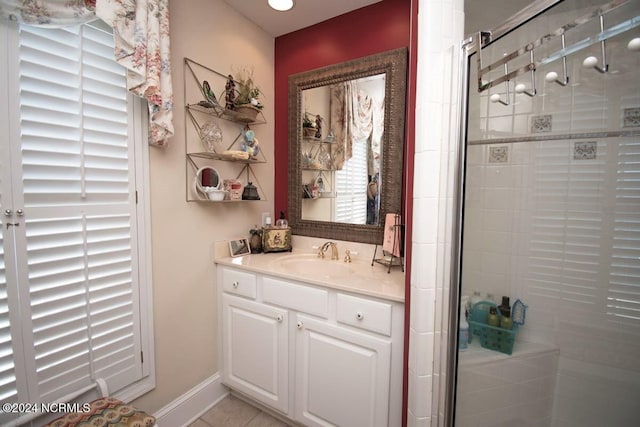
342	376
255	345
319	356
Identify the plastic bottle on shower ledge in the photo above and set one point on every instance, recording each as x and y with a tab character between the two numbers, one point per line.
506	322
475	298
505	307
464	304
463	333
491	297
492	318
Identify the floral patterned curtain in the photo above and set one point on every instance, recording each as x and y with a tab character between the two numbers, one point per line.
52	13
351	119
141	35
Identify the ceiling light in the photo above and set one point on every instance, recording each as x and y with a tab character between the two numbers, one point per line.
281	5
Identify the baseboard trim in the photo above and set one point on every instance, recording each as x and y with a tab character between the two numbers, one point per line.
191	405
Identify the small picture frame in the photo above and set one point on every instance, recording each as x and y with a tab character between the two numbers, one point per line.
239	247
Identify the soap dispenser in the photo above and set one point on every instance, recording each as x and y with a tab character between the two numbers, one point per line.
282	221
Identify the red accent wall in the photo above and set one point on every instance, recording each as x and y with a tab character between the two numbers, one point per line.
377	28
386	25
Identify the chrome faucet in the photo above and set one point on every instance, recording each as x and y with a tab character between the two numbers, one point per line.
334	250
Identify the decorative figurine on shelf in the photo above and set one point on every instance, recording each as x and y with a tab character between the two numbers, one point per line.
318	127
308	127
330	136
251	144
230	93
210	98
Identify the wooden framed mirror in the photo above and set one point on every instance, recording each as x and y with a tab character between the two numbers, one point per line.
360	171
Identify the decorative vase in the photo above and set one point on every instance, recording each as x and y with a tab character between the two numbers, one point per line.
255	242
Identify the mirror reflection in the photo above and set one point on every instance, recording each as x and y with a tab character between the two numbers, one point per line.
346	142
341	149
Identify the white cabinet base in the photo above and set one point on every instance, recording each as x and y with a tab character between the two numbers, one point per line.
255	351
342	376
319	356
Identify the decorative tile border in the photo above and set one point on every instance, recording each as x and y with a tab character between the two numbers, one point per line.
499	154
630	117
541	123
585	150
533	138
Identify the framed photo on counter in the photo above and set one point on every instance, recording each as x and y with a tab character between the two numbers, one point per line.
239	247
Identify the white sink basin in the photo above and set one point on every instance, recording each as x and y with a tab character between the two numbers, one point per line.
309	265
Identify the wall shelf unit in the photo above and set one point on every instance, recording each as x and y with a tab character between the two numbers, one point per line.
232	156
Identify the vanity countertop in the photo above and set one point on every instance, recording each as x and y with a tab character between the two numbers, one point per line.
362	278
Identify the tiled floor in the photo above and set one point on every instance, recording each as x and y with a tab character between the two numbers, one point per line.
233	412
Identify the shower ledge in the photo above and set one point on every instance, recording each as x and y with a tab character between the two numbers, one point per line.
475	354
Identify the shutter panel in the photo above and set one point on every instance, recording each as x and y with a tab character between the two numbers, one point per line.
78	186
568	228
585	232
8	386
351	187
8	381
623	300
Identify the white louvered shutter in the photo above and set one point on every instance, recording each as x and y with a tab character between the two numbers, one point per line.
351	187
623	299
584	246
9	331
76	253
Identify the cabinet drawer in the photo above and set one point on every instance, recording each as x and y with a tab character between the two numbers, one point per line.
239	282
296	297
363	313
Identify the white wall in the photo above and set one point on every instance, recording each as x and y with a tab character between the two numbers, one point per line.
185	317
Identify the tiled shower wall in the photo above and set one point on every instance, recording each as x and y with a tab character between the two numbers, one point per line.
552	216
500	390
556	224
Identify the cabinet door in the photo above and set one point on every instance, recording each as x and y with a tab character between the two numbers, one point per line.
255	351
342	376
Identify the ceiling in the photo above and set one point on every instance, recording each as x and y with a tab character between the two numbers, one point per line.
304	13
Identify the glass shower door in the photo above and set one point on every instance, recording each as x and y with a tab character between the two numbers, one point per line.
551	217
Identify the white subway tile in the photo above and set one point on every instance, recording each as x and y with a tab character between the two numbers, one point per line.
422	309
422	354
424	388
423	268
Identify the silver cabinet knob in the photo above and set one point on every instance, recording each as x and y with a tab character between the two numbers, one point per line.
359	316
8	212
279	317
19	212
235	284
299	325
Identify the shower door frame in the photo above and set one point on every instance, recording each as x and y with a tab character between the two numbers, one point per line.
468	47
